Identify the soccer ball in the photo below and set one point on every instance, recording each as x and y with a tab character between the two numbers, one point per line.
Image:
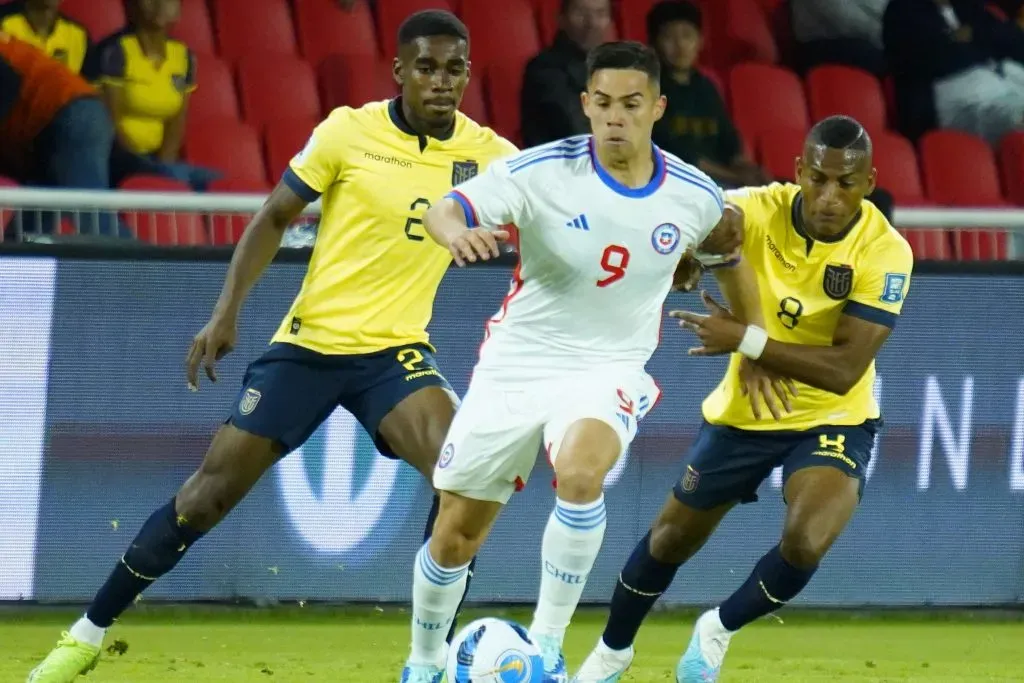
494	651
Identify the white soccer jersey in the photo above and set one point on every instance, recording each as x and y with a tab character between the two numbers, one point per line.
596	257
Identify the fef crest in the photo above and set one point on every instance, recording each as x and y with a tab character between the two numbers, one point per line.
250	398
463	171
690	480
838	282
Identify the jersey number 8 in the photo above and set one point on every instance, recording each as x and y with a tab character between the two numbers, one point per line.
790	310
614	260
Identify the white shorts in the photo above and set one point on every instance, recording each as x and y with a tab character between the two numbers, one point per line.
501	426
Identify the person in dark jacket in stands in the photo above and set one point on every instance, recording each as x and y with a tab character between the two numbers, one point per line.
554	79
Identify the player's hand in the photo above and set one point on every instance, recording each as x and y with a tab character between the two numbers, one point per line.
475	244
720	331
759	384
214	341
688	272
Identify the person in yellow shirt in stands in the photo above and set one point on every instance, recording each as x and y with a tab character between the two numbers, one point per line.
40	23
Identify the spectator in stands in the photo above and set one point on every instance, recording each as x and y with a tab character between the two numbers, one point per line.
696	126
550	99
40	23
955	65
839	32
55	130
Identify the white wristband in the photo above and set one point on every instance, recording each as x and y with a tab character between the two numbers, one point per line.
753	342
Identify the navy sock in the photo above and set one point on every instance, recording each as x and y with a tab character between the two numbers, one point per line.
431	518
772	584
160	543
640	584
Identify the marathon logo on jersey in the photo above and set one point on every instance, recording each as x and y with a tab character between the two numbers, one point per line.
690	480
249	401
666	238
838	282
893	290
463	171
447	455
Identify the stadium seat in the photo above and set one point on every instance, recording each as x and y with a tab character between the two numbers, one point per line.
326	29
547	12
504	82
163	228
474	105
930	245
246	26
228	229
633	19
215	98
834	89
741	31
898	171
766	98
778	151
354	81
1011	160
194	28
274	87
282	140
502	30
100	17
228	146
392	13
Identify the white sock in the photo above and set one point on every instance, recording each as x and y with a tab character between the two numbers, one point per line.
572	540
436	594
85	631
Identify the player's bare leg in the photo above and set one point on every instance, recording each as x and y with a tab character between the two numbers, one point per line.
677	534
234	462
574	533
439	579
821	501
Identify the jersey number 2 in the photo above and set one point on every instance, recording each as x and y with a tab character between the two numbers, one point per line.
614	260
411	221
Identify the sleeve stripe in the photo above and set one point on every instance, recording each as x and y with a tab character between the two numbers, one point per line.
871	314
467	208
299	186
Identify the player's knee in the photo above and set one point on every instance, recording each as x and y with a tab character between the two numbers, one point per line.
672	543
579	484
804	548
452	547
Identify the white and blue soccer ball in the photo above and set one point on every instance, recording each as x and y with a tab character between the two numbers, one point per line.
494	651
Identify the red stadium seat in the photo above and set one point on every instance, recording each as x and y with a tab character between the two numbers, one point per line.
228	229
194	28
325	29
1011	160
246	26
504	82
834	89
766	98
228	146
392	13
779	150
274	87
163	228
633	19
283	139
930	245
100	17
502	30
215	98
741	31
473	103
898	171
354	81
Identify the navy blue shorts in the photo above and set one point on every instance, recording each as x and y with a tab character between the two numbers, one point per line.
726	465
289	391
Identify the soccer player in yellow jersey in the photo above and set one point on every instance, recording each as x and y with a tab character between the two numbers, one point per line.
832	275
355	336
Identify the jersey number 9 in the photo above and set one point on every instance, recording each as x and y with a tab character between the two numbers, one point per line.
420	203
614	260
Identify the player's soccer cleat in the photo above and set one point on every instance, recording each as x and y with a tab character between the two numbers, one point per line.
702	661
604	665
421	673
66	662
554	662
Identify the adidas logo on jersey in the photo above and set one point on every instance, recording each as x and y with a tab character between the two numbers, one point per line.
578	223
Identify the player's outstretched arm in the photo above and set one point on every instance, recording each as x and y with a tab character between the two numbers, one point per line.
255	251
445	222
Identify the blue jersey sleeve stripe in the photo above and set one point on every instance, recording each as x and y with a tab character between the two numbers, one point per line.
545	150
712	191
687	174
467	208
870	314
553	155
299	186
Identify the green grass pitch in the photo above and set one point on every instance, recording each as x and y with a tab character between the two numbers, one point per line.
197	644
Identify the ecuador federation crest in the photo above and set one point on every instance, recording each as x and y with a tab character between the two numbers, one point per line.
463	171
249	400
838	281
690	480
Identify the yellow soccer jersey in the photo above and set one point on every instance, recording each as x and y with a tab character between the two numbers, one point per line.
374	271
68	42
805	286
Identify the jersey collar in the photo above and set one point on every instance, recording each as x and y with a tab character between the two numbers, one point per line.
657	178
798	224
398	119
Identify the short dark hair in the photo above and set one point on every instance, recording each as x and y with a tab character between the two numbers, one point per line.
431	22
668	11
624	54
840	132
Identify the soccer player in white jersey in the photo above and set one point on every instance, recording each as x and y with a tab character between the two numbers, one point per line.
600	222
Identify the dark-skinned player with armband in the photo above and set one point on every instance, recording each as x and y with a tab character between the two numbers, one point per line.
355	336
833	275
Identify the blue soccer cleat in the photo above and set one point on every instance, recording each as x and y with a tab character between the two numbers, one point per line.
421	673
702	661
554	662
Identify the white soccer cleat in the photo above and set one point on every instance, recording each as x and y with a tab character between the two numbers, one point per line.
702	661
604	665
